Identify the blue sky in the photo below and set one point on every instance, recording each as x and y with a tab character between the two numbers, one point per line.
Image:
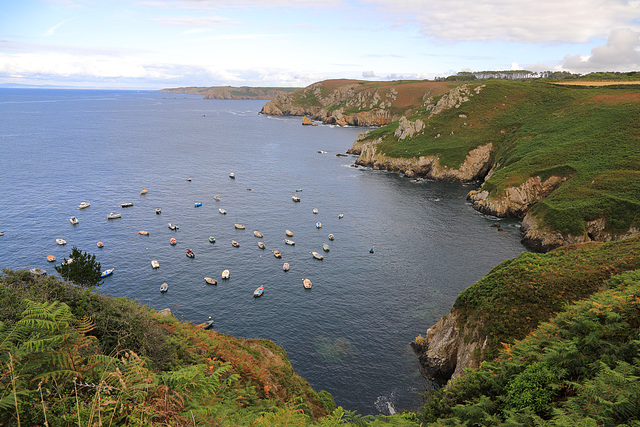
154	44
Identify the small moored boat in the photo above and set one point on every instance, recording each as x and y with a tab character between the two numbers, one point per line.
285	266
298	190
190	253
173	241
173	226
340	216
155	263
197	204
38	271
258	292
289	233
222	211
295	198
164	287
212	239
258	234
318	224
239	226
315	211
107	273
232	175
51	258
61	241
289	242
216	198
371	250
84	205
210	281
306	283
114	215
277	254
316	255
235	244
100	245
331	237
74	220
143	233
325	247
126	205
225	274
158	211
144	191
261	245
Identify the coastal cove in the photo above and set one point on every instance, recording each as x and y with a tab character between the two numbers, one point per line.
350	333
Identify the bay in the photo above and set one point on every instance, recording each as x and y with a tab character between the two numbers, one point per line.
350	333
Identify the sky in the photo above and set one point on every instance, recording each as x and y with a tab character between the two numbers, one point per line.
156	44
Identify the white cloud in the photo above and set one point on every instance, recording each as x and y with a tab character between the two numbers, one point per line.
368	74
620	53
53	29
541	21
194	21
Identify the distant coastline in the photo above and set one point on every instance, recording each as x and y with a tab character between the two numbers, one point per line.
229	92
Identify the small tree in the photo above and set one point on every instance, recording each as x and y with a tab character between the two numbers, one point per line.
81	269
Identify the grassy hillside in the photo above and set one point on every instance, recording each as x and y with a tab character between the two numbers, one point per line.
588	134
71	357
579	369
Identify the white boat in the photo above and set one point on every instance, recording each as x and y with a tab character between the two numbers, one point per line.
212	239
289	233
158	211
285	266
113	215
315	211
216	198
61	241
261	245
106	273
232	175
222	211
295	198
306	283
164	287
316	255
225	274
235	244
144	191
258	234
74	220
289	242
325	247
210	281
38	271
126	205
172	226
84	205
239	226
331	237
189	179
197	204
318	224
155	264
340	216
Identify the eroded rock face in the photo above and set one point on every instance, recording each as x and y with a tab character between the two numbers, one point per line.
540	239
516	201
444	353
475	166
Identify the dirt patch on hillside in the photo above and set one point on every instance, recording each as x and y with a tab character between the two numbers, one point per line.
617	98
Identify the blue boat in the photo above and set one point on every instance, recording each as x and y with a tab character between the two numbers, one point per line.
258	292
106	273
197	204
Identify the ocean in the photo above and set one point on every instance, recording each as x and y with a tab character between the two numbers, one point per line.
350	333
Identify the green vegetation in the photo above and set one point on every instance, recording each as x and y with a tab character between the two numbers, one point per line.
81	268
579	369
588	134
519	294
72	357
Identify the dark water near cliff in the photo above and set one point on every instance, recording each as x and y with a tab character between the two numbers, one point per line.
350	333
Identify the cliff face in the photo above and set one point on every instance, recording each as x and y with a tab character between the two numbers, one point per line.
445	353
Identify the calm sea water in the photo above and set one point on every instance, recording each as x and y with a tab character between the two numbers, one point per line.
350	333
